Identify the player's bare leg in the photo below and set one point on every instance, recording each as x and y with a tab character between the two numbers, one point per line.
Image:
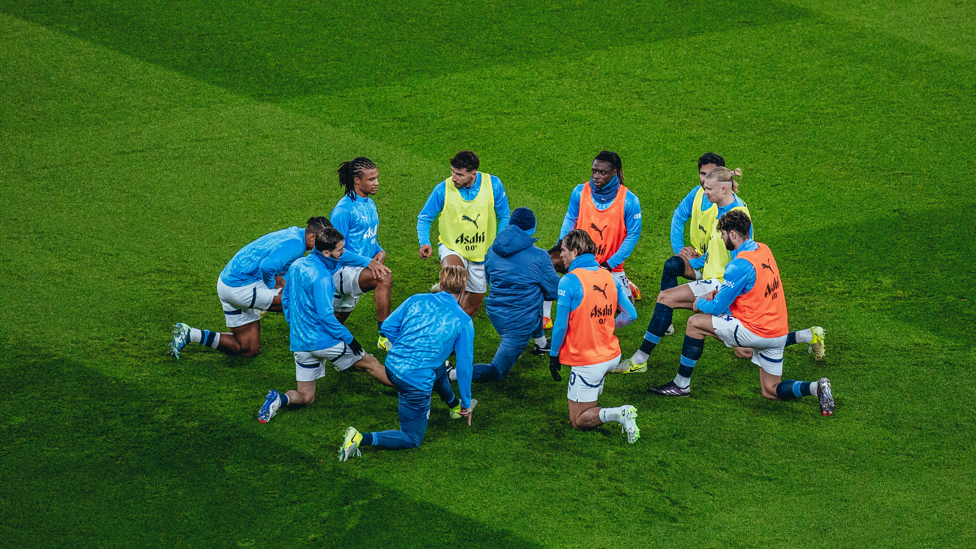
382	288
679	297
587	415
584	415
470	302
374	368
742	352
304	394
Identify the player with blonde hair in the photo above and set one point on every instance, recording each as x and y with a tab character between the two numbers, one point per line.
424	330
718	186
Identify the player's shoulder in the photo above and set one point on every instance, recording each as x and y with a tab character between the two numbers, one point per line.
632	197
568	280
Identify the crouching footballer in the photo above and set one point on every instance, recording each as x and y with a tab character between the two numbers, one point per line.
424	330
315	335
582	335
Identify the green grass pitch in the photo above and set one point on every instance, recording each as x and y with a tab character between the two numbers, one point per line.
142	143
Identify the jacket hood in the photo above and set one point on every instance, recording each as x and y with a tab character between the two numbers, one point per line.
511	241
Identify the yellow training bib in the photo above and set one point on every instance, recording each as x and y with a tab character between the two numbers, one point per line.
701	222
717	255
468	228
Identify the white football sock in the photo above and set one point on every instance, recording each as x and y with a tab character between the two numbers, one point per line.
682	381
611	414
196	336
804	336
216	340
540	341
815	388
547	309
639	357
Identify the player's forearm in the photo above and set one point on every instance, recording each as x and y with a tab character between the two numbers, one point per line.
677	233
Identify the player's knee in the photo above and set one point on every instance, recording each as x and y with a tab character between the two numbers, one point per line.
414	440
250	351
307	397
742	352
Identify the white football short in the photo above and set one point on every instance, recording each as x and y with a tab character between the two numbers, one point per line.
310	365
347	292
698	275
702	287
621	277
476	270
586	382
244	305
767	351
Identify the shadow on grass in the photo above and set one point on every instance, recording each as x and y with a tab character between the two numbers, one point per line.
89	460
291	48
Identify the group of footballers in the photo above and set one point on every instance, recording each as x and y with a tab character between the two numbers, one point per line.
734	287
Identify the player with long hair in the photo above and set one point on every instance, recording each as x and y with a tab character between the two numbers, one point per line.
424	330
582	335
356	217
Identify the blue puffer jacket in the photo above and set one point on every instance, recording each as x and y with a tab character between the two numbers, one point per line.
520	276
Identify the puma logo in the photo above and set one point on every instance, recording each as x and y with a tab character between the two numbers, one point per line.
598	229
602	290
765	266
473	221
702	229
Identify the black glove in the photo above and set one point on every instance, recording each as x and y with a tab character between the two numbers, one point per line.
554	367
606	266
356	347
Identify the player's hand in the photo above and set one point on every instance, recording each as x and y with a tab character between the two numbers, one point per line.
710	295
380	257
554	367
279	282
689	252
378	269
425	251
466	412
356	347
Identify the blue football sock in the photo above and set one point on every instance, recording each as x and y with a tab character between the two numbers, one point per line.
691	351
284	399
656	327
673	268
367	439
208	338
790	339
379	326
791	389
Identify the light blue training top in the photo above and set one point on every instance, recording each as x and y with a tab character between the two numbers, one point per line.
358	221
424	330
435	203
265	258
307	302
571	295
